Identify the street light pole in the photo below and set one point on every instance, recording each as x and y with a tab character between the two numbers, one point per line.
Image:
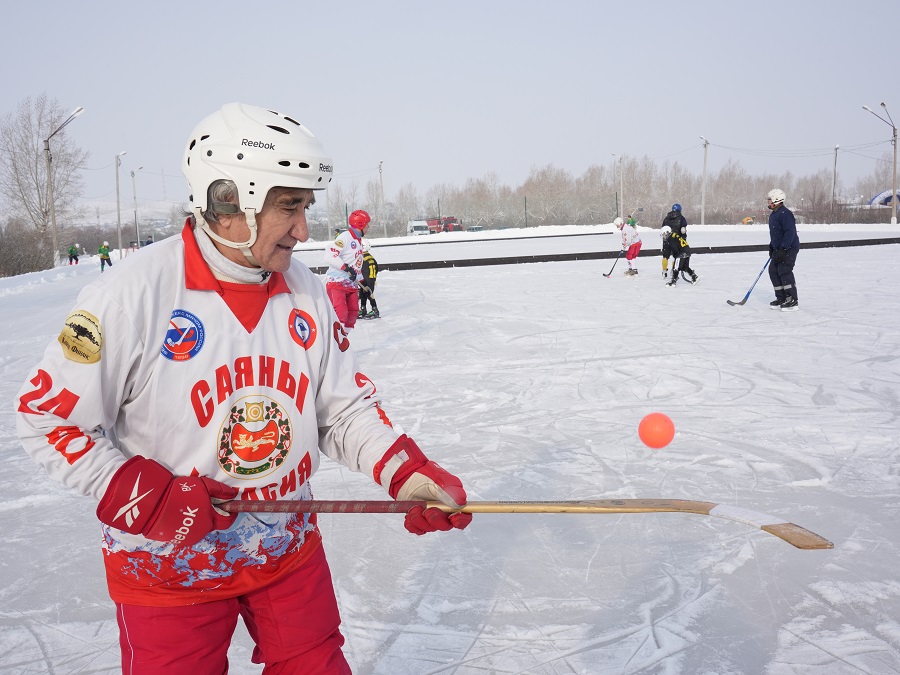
118	207
834	181
137	232
703	185
894	141
620	210
381	207
47	158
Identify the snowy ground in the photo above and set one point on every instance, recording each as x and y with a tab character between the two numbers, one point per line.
529	382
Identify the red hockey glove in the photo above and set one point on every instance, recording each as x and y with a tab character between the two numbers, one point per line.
144	497
407	474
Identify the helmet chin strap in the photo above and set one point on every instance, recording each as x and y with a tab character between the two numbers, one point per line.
242	247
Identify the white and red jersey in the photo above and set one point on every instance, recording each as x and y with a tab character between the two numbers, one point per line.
346	249
630	236
153	362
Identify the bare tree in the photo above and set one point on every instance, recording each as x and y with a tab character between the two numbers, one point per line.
18	254
406	204
550	196
23	169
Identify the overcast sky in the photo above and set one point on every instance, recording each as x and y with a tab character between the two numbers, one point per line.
442	92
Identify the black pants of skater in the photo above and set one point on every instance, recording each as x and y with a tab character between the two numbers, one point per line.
782	275
684	265
368	297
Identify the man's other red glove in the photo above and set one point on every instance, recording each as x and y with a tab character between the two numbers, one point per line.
407	474
144	497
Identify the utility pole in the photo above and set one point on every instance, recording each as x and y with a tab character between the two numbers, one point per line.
894	141
703	185
381	207
620	198
137	232
118	206
834	181
47	158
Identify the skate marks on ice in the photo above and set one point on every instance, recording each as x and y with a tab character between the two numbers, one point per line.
544	403
529	382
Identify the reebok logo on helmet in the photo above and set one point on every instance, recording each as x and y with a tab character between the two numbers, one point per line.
257	144
325	167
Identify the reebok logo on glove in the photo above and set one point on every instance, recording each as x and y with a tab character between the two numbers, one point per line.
178	510
130	509
181	534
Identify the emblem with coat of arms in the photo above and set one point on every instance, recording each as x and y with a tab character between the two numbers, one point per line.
255	439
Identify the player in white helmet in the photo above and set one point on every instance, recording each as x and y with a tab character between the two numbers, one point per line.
103	252
209	369
784	245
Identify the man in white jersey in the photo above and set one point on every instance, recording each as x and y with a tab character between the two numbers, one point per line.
344	257
212	368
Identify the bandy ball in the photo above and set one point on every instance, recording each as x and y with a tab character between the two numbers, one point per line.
656	430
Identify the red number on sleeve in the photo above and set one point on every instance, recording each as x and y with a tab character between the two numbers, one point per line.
60	405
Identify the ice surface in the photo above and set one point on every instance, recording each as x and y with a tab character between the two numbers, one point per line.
529	382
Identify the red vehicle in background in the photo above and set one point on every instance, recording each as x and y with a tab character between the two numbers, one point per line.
444	224
434	225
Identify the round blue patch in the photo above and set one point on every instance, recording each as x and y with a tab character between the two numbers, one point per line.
184	336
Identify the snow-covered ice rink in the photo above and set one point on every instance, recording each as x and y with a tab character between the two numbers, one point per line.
529	381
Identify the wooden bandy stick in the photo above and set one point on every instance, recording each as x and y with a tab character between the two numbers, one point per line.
792	534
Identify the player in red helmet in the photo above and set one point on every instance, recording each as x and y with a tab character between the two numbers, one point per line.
345	260
359	220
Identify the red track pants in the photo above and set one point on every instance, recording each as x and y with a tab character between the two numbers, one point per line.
294	623
345	300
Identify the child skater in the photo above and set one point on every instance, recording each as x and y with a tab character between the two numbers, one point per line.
681	251
367	285
631	243
666	248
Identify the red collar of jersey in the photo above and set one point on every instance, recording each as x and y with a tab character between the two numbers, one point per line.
198	276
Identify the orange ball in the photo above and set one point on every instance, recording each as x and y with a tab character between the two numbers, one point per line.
656	430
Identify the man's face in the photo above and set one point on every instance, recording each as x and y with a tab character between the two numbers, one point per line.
772	205
280	225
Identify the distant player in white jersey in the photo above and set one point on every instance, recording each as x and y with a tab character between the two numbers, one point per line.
631	243
212	368
344	257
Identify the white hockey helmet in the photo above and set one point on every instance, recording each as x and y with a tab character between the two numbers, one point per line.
665	231
257	149
106	243
776	196
618	222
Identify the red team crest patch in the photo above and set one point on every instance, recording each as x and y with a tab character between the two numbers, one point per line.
303	328
255	439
